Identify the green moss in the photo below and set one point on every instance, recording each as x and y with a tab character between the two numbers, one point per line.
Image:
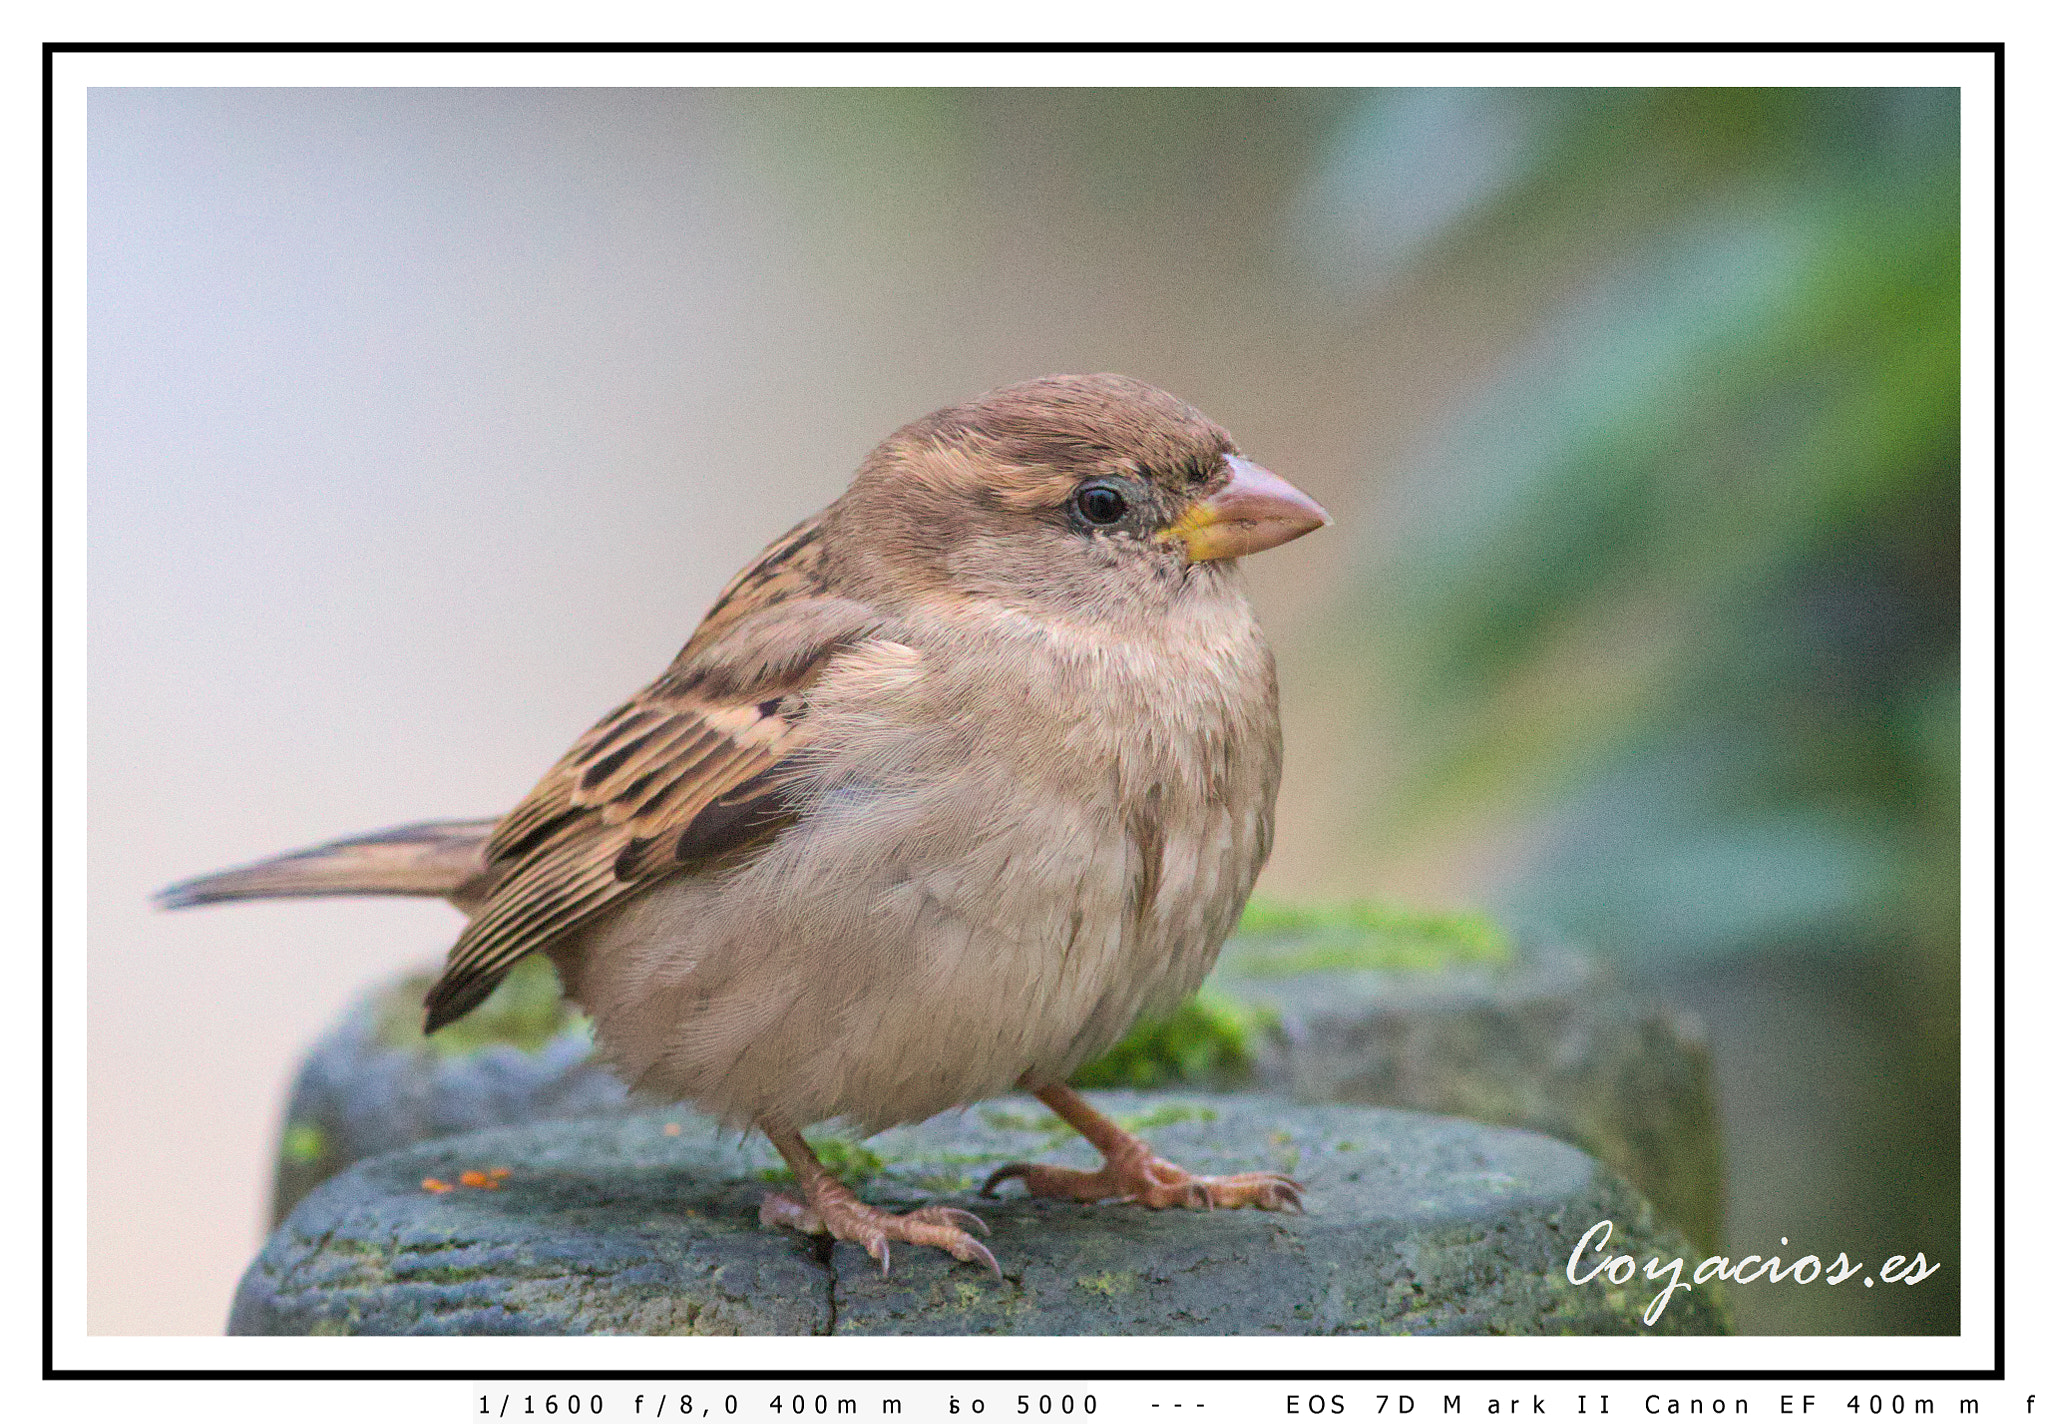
970	1159
449	1275
1213	1038
524	1012
1362	934
851	1162
1210	1039
304	1142
1055	1131
1166	1115
1006	1120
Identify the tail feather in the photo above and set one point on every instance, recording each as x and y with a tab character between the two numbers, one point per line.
444	858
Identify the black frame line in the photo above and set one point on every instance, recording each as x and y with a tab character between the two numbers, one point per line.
1997	681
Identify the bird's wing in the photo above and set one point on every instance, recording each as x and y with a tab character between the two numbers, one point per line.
693	768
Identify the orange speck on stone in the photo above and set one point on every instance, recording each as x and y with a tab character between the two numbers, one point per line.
435	1184
672	1129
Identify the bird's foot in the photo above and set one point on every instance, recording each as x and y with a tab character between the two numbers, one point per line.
1150	1180
828	1208
844	1217
1132	1171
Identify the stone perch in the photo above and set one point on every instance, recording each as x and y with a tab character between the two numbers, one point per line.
1357	1004
1551	1039
645	1223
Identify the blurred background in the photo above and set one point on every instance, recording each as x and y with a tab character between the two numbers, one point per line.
425	423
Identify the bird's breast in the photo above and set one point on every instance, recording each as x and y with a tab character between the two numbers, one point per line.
1121	798
1004	860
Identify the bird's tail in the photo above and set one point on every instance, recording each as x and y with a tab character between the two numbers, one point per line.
444	858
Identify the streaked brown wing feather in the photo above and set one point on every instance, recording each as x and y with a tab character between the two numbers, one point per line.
691	769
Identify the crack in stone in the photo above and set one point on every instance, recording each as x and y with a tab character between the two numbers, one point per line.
305	1262
1459	1266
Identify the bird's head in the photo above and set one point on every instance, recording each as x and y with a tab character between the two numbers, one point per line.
1072	494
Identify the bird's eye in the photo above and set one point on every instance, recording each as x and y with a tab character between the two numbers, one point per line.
1100	504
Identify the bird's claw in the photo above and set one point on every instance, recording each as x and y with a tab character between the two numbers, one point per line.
1152	1181
1003	1174
845	1218
950	1216
1284	1193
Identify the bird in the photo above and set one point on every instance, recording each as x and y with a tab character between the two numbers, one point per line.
952	783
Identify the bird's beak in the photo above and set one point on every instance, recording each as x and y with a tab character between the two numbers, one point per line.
1255	509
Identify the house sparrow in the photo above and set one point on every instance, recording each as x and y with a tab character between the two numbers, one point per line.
952	783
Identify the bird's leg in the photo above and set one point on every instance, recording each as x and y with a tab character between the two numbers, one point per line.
1132	1171
828	1208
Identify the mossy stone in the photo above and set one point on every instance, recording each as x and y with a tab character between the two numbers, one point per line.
374	1083
1362	1003
1549	1038
646	1224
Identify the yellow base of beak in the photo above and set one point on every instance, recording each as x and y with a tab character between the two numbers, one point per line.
1255	509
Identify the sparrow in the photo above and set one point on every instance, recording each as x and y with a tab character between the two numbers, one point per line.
953	782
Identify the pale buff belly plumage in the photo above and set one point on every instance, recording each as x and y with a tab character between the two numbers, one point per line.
915	944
